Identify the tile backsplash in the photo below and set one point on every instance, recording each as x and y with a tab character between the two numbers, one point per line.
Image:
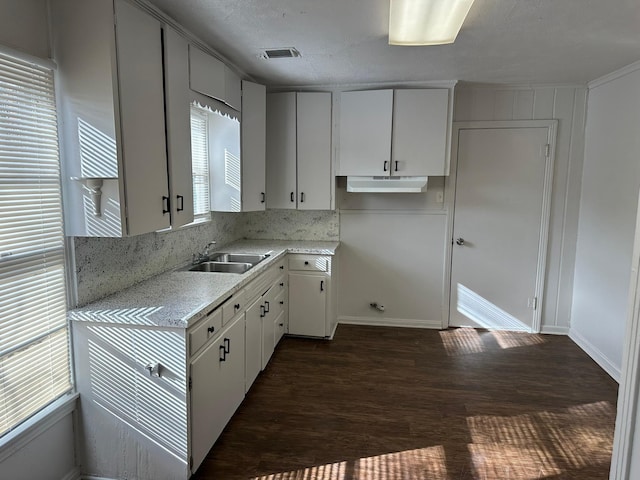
107	265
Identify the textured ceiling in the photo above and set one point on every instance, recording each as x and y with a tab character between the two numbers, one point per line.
345	41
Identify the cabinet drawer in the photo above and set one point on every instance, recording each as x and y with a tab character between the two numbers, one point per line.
205	330
233	306
262	283
280	303
309	262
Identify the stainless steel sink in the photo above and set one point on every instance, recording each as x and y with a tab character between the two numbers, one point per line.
252	258
221	267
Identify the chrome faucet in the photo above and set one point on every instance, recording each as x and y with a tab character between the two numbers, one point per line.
204	256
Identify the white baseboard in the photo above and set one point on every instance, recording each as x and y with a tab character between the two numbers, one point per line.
91	477
391	322
73	475
597	356
553	330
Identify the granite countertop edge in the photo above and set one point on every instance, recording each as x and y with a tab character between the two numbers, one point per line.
179	298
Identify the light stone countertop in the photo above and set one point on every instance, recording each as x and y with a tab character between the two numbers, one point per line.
177	299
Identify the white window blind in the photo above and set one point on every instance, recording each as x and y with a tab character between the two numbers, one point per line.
34	346
200	164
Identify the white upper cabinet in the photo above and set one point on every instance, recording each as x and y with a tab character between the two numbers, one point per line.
314	150
253	149
395	132
420	128
176	71
206	74
299	150
111	97
365	132
281	150
211	77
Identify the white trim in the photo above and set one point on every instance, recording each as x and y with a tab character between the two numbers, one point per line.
609	77
628	393
92	477
554	330
73	474
25	57
596	355
343	87
450	194
36	425
390	322
515	86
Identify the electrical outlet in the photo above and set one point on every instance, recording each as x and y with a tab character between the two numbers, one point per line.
440	197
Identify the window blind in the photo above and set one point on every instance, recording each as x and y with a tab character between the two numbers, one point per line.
200	164
34	345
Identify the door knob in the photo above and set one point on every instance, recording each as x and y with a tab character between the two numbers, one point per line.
459	241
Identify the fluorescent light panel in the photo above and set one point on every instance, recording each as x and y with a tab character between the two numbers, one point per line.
426	22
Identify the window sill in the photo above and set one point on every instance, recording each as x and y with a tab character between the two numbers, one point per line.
16	439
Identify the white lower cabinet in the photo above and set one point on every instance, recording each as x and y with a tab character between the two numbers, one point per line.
253	342
217	388
310	295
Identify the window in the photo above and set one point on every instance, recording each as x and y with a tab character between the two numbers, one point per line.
200	164
34	346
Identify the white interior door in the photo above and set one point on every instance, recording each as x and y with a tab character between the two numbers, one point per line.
500	227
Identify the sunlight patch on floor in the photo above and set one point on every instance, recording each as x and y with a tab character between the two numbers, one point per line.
330	471
497	461
516	339
461	341
419	464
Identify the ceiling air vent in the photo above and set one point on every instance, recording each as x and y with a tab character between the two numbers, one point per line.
280	53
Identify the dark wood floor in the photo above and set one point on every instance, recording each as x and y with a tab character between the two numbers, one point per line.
382	403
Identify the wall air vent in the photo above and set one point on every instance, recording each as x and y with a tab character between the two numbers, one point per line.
280	53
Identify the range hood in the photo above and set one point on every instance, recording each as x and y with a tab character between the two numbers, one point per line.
387	184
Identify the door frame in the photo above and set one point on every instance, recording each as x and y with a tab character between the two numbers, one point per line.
450	199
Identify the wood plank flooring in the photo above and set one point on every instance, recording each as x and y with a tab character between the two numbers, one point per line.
380	403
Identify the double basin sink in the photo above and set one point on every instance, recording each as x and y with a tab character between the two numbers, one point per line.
228	262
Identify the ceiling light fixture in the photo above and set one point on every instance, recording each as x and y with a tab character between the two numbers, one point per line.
426	22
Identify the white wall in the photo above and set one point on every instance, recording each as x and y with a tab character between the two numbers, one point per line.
51	455
567	105
610	184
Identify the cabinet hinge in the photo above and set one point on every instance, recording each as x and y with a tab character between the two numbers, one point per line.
532	303
547	150
190	383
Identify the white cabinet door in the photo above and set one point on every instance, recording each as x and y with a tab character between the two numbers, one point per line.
253	153
207	392
268	334
206	74
217	388
253	343
365	132
314	150
176	72
281	150
420	120
141	104
307	304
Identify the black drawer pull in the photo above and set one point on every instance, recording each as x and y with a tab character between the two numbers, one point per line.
223	353
236	306
281	267
180	199
306	263
165	205
281	302
262	311
263	197
267	309
282	284
227	345
211	329
322	285
293	198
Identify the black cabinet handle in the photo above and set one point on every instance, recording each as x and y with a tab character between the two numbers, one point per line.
281	302
301	197
384	167
165	205
396	169
322	285
281	324
267	307
223	354
293	198
263	196
180	200
236	306
211	329
281	267
306	263
263	312
227	345
282	284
